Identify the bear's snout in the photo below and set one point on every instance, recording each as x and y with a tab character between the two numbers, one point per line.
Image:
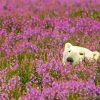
69	59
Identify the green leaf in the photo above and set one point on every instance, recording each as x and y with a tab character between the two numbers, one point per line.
95	14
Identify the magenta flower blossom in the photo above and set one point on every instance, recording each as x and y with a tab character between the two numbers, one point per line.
13	81
33	34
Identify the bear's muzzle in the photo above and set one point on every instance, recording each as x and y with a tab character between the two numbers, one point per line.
69	59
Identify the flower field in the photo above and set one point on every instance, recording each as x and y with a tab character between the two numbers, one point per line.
32	38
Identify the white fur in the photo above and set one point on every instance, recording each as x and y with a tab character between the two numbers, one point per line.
78	54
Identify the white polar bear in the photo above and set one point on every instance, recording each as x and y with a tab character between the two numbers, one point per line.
76	54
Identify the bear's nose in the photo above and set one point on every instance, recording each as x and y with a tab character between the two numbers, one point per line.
69	59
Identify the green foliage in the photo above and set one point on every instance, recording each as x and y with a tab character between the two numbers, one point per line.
9	28
44	42
52	14
92	13
49	26
23	55
15	94
76	13
11	74
37	78
97	80
44	56
24	74
46	39
18	29
42	15
54	74
1	21
95	14
20	57
83	75
3	63
40	45
72	40
73	96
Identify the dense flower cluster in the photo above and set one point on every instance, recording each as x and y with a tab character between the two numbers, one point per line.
32	38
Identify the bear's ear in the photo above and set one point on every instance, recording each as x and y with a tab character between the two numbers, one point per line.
68	45
96	55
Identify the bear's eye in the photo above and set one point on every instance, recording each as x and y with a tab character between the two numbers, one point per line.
69	51
81	53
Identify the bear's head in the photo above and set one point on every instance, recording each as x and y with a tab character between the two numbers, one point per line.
75	54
